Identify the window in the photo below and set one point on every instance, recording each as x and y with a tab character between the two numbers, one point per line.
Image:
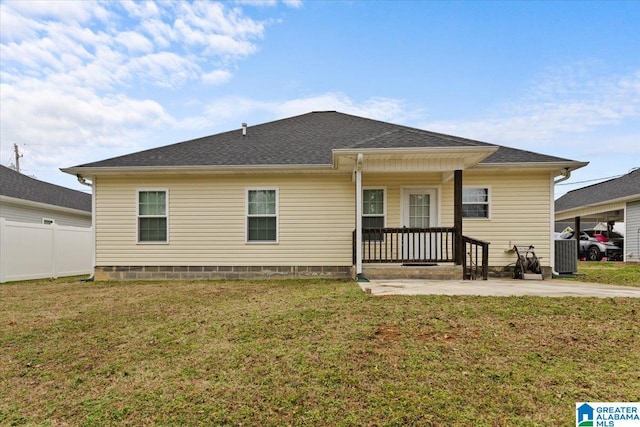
262	215
152	216
373	212
475	202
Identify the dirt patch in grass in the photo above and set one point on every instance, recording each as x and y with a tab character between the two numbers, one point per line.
306	353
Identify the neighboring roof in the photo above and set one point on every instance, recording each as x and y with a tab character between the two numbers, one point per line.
18	186
625	186
307	139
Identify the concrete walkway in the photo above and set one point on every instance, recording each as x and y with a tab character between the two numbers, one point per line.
497	287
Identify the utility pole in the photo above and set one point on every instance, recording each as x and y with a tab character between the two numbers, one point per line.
18	155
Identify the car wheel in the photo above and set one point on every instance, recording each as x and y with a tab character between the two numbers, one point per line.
594	254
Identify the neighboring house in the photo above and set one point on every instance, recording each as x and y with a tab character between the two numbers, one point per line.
320	194
611	201
25	199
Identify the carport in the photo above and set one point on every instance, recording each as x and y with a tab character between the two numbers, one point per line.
615	200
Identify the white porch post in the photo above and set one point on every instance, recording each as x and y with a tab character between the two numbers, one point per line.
358	172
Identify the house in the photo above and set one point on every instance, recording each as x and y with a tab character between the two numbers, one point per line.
28	200
615	200
45	229
321	194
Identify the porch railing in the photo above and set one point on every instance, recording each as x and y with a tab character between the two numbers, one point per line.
407	245
422	245
476	258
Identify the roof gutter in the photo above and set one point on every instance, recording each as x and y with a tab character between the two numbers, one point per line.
119	170
569	165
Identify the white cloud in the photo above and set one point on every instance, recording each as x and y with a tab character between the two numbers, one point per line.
80	78
217	77
165	69
269	3
61	117
63	11
560	105
40	42
218	113
141	9
14	26
134	42
293	3
217	19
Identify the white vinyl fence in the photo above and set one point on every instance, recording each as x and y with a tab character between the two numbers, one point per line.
37	251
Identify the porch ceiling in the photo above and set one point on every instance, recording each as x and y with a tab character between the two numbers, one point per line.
412	159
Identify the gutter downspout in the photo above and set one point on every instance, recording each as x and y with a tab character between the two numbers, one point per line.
358	173
566	174
83	181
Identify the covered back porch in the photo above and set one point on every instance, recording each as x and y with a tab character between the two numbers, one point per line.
409	210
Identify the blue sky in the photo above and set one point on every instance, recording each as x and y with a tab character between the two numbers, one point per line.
84	81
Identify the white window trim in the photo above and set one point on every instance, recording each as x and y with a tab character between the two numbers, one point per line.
166	215
488	188
48	221
246	216
384	207
384	203
436	189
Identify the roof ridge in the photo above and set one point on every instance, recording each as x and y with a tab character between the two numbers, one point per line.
460	139
373	138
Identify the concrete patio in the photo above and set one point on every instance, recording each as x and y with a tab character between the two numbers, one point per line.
497	287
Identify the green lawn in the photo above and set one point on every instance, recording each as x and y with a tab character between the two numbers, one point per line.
612	273
306	353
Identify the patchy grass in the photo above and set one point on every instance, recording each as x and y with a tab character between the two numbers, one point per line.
305	353
612	273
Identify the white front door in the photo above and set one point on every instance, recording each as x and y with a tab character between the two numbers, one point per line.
419	210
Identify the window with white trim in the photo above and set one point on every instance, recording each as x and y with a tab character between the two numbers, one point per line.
152	216
373	212
475	202
262	215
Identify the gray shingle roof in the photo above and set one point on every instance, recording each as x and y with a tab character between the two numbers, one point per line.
514	155
624	186
304	140
19	186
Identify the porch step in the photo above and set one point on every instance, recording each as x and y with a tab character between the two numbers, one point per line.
396	271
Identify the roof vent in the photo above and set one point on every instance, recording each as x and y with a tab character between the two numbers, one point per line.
244	129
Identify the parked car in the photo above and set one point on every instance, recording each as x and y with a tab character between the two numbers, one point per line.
594	250
607	236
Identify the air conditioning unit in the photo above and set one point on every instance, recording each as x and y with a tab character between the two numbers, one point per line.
566	259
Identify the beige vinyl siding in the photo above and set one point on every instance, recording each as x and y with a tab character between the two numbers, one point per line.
519	208
207	217
393	184
207	220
